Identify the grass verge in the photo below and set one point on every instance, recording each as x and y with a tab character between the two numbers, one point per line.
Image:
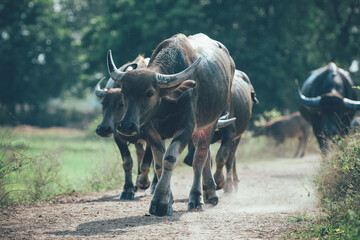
338	186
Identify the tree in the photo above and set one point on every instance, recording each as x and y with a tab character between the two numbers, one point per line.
39	54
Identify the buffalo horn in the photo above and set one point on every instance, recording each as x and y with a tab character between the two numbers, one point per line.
115	73
171	80
98	91
224	122
351	104
307	101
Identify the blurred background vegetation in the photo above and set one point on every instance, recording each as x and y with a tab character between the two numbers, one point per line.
54	51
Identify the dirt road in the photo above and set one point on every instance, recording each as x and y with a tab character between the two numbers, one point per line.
270	193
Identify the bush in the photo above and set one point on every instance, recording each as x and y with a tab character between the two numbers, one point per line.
41	177
338	185
339	189
11	162
109	174
32	178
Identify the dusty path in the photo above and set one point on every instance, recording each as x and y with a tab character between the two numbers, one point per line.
269	194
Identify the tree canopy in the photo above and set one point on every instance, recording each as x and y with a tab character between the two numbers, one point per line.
52	46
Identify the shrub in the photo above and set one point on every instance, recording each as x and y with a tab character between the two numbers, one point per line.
41	177
11	163
338	184
339	189
32	178
109	174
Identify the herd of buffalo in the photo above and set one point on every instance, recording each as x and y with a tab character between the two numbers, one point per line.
189	91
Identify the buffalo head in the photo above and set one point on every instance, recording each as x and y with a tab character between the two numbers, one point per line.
112	99
112	109
326	103
142	91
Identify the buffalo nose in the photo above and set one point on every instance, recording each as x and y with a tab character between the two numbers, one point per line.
103	130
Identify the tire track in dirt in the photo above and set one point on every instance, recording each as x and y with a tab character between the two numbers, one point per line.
270	192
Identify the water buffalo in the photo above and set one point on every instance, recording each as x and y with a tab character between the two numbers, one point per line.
291	126
240	107
180	95
113	111
328	101
242	99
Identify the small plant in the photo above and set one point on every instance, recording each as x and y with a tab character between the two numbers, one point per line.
109	174
11	163
41	177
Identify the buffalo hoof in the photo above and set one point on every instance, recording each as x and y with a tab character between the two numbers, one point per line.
196	204
211	198
127	196
143	182
135	188
160	209
219	179
228	188
236	183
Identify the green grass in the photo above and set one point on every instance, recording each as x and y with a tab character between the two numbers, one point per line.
83	162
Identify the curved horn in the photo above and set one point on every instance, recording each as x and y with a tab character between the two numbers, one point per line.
351	104
171	80
98	91
307	101
115	74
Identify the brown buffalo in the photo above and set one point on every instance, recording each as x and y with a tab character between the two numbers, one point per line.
180	95
113	111
291	126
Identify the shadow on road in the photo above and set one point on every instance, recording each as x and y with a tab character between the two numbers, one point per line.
114	198
117	226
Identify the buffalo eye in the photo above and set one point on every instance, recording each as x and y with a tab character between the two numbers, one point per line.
149	94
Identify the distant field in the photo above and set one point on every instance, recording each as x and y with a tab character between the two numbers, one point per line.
80	154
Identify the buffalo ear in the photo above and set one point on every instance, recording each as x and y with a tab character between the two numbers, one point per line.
176	93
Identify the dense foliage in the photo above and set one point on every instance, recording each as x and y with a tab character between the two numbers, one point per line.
54	46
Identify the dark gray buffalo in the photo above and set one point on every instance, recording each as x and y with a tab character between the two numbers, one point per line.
240	107
180	95
291	126
113	111
242	99
328	102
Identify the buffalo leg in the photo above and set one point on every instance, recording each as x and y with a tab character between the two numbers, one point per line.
305	139
153	183
188	160
143	181
201	159
321	139
209	186
235	176
300	144
230	167
128	190
162	201
222	156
